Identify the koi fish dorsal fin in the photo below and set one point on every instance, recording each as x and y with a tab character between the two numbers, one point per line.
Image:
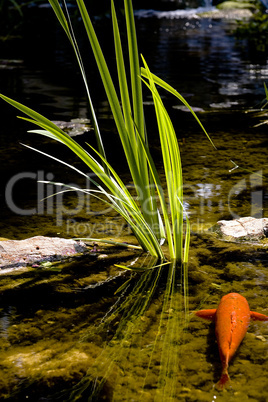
207	314
258	317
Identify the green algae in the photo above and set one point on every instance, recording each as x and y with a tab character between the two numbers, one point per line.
227	5
140	344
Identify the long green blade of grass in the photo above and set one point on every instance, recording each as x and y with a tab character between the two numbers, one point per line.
135	68
135	120
107	81
170	89
138	169
136	85
67	26
172	166
161	196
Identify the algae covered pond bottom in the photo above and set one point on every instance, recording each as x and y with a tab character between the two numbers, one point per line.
91	331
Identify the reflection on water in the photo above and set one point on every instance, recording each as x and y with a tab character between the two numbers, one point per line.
6	317
201	58
126	348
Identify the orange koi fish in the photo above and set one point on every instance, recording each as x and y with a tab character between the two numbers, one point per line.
232	318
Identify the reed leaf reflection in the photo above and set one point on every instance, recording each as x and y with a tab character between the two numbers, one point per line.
148	326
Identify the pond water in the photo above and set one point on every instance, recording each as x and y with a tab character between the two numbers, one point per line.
86	330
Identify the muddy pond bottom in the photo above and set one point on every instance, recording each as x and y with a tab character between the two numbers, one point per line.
87	330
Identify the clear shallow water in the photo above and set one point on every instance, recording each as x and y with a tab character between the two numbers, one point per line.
218	71
58	328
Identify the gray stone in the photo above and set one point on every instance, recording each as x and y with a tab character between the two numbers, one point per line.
243	229
20	253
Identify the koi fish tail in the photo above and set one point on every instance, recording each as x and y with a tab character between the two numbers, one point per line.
224	380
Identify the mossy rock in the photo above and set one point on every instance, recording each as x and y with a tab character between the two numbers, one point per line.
228	5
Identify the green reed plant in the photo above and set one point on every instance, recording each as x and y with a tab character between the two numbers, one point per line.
153	216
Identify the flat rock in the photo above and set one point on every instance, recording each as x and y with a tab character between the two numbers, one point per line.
20	253
243	229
